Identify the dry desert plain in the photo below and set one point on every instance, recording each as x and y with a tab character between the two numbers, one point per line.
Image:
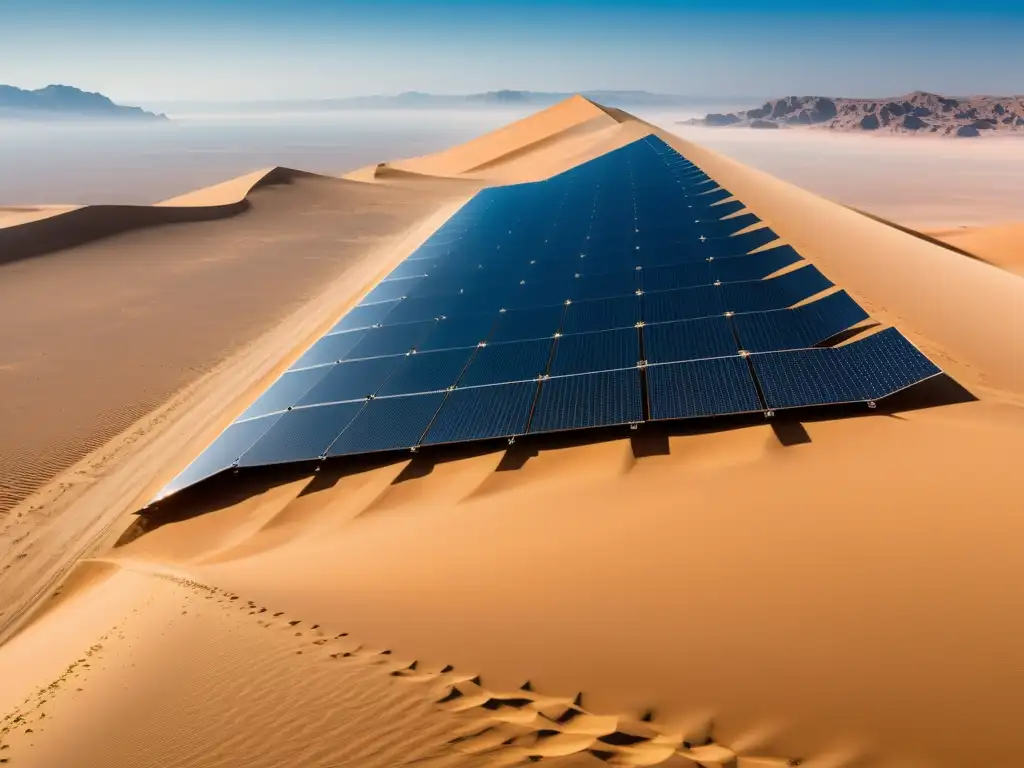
833	593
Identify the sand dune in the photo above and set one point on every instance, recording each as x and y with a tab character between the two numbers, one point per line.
829	593
1001	246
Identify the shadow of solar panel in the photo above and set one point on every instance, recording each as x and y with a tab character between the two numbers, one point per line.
391	290
329	349
688	340
222	453
351	381
865	370
391	340
465	331
775	293
727	227
798	328
388	424
714	387
588	400
675	276
598	351
685	304
525	324
427	372
756	266
739	245
286	391
508	362
365	316
602	314
481	413
303	434
606	285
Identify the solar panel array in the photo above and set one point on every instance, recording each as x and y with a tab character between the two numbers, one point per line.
624	290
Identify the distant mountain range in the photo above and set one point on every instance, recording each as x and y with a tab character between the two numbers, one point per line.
915	113
420	100
61	102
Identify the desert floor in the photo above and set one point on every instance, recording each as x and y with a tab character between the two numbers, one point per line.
830	592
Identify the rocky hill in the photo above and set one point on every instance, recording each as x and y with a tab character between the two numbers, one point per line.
63	101
915	113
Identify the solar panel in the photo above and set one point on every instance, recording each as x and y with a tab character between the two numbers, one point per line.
689	340
388	424
480	413
737	245
419	309
606	285
686	304
724	209
756	266
427	372
714	387
286	391
351	381
728	227
804	326
390	340
588	400
303	434
511	361
602	314
465	331
775	293
598	351
365	316
222	453
330	349
676	276
389	290
524	324
865	370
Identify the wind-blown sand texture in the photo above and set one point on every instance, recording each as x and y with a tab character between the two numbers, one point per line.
834	592
1001	246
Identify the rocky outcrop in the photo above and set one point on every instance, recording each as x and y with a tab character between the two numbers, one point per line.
917	112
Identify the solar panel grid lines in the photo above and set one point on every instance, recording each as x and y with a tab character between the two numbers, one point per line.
301	434
285	392
388	424
508	362
717	386
603	399
481	413
427	372
798	328
353	380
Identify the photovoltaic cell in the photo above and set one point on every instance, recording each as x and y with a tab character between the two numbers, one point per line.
427	372
602	314
674	277
286	391
301	435
588	400
512	361
390	290
727	227
524	324
798	328
686	304
689	340
410	268
480	413
598	351
776	292
365	316
870	369
391	340
351	381
756	266
387	424
465	331
714	387
330	349
737	245
223	452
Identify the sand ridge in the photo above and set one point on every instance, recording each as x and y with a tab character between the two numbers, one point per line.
743	597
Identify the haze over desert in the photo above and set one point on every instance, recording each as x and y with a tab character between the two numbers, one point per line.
478	385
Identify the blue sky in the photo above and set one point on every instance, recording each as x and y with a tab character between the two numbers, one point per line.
137	51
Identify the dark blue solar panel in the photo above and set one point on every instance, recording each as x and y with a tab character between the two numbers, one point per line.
599	351
512	361
775	293
480	413
864	370
524	324
704	200
391	340
286	391
365	316
303	434
674	277
387	424
602	314
419	309
804	326
223	452
756	266
727	227
330	349
389	290
721	210
589	400
714	387
689	340
351	381
738	245
687	304
427	372
410	268
607	285
537	294
465	331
